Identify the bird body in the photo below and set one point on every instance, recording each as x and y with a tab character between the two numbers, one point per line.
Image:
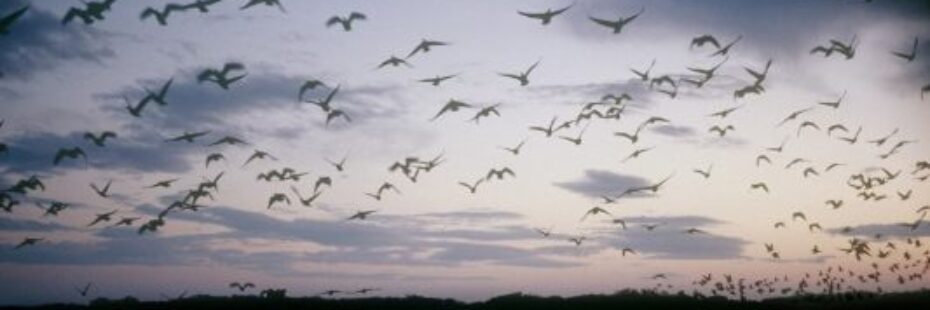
345	22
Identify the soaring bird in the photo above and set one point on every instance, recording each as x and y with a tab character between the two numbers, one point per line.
336	113
794	115
102	217
72	153
806	124
126	221
425	46
308	85
644	75
258	154
157	97
626	251
221	76
276	198
451	106
306	202
577	139
546	130
486	112
617	25
212	158
102	192
161	16
92	11
435	81
472	188
701	40
881	141
252	3
84	290
189	137
577	240
636	153
499	173
99	140
721	131
9	19
516	149
346	22
522	77
704	173
546	17
836	204
325	104
723	51
393	61
760	185
909	56
595	211
361	215
798	215
384	186
228	140
834	104
835	127
854	138
27	242
242	287
544	232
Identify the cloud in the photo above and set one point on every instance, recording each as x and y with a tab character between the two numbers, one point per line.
9	225
893	229
674	131
602	182
38	42
669	240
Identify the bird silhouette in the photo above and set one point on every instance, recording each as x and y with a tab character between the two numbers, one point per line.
252	3
472	188
212	158
807	124
340	165
102	192
451	106
881	141
102	217
836	204
636	153
221	76
909	57
345	22
83	290
516	149
617	25
230	140
721	131
577	240
644	75
28	241
854	138
760	185
438	79
425	46
595	211
499	173
723	51
361	215
242	287
258	154
546	130
157	97
546	17
834	104
836	127
306	202
577	139
793	116
189	137
905	195
126	221
624	251
486	112
276	198
544	232
325	103
92	12
393	61
99	140
161	16
8	20
522	77
705	173
308	85
701	40
69	153
384	187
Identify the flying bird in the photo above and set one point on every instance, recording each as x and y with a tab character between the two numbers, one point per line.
102	192
92	11
425	46
393	61
545	17
308	85
644	75
595	211
909	57
472	188
546	130
212	158
27	242
499	173
189	137
637	153
276	198
760	185
69	153
361	215
258	154
242	287
834	104
616	25
451	106
102	217
161	16
522	77
486	112
221	76
705	173
701	40
435	81
83	290
516	149
99	140
345	22
723	51
252	3
306	202
228	140
721	131
7	21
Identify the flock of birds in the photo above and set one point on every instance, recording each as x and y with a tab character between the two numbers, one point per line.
905	262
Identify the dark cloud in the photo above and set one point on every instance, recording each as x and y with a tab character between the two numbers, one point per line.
674	131
8	225
38	42
602	182
34	153
669	240
894	229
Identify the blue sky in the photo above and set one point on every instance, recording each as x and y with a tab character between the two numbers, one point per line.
434	237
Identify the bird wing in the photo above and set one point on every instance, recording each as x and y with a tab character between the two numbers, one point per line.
333	20
603	22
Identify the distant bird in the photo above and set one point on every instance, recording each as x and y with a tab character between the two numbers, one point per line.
544	232
242	287
157	97
909	56
692	231
84	290
595	211
723	51
361	215
258	154
522	77
636	153
836	204
308	85
835	127
499	173
188	136
212	158
516	149
126	221
102	217
779	225
27	242
625	251
726	112
221	76
252	3
99	140
8	20
834	104
228	140
324	180
881	141
704	173
546	130
346	22
276	198
486	112
831	166
577	139
451	106
161	16
701	40
546	17
617	25
102	192
92	11
905	195
384	186
163	183
794	115
472	188
577	240
393	61
644	75
760	185
807	124
798	215
325	104
437	80
721	131
854	138
425	46
69	153
795	162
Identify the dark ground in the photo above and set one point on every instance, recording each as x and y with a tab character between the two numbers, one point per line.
622	300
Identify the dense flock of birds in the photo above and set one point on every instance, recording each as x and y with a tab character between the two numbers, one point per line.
900	261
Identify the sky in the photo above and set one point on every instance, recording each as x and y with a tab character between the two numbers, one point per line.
434	237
